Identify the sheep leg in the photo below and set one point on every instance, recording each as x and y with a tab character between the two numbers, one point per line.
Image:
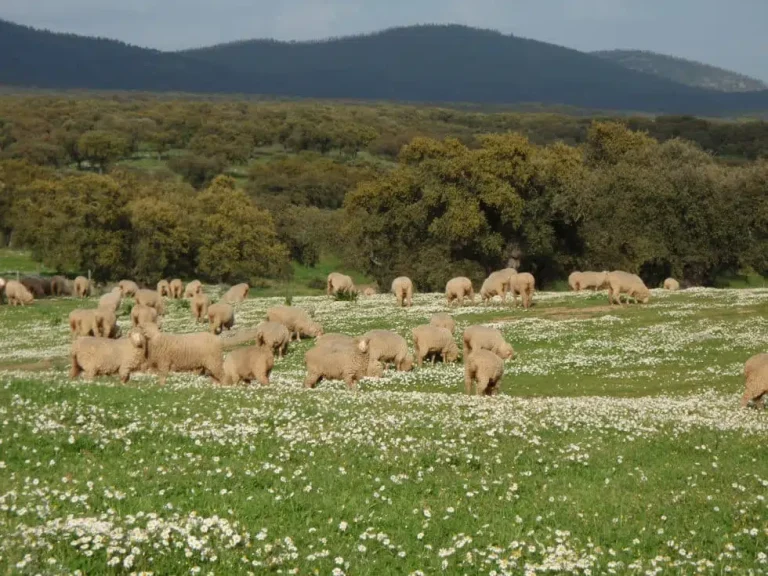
75	370
759	402
351	382
467	382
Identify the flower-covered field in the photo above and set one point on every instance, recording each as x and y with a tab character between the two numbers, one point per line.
616	446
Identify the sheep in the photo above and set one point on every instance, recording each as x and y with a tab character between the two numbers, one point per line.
17	294
274	335
443	320
107	323
486	338
594	280
523	284
238	293
402	288
82	287
150	298
486	369
339	283
101	356
221	317
756	377
176	287
194	287
386	346
197	352
296	320
458	289
199	306
34	285
574	281
60	286
142	315
625	283
497	284
671	284
334	340
250	363
164	288
128	287
348	363
431	340
2	285
84	323
111	300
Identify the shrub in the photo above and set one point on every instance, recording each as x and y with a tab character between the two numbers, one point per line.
346	296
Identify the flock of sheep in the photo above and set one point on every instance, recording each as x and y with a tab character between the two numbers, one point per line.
98	349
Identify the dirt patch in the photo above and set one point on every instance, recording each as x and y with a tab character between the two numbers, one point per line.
564	313
37	366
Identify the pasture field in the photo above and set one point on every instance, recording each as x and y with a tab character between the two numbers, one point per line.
617	446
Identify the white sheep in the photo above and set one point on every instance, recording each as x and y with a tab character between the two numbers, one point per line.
443	320
348	363
337	282
484	368
17	294
402	288
756	380
296	320
128	287
433	341
111	300
459	288
384	347
523	284
142	315
84	323
274	335
101	356
82	287
671	284
194	287
238	293
199	306
486	338
250	363
177	288
164	288
150	298
620	282
199	352
221	316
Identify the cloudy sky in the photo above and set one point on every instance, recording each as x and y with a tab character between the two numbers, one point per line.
729	33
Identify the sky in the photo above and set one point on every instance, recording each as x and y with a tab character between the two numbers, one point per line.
730	34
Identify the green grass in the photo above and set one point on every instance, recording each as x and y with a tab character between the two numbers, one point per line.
12	261
616	445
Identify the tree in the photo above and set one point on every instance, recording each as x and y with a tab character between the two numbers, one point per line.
100	148
198	171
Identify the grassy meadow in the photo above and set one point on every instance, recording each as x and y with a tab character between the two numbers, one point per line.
616	446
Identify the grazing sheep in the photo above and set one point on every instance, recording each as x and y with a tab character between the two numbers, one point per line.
486	369
296	320
60	286
199	352
18	294
384	347
443	320
150	298
82	287
246	364
84	323
339	283
433	341
194	287
34	285
523	284
756	376
497	284
101	356
486	338
177	288
238	293
348	363
111	300
221	317
574	281
142	315
128	287
402	288
583	280
275	336
625	283
199	306
164	288
458	289
671	284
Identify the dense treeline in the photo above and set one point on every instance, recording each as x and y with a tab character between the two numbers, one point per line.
233	190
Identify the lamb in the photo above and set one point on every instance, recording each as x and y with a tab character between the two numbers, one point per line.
402	288
198	352
84	323
82	287
250	363
34	285
486	338
199	306
430	340
339	283
443	320
238	293
523	284
101	356
128	287
756	376
221	317
274	335
296	320
17	294
164	288
150	298
348	363
625	283
194	287
458	289
671	284
111	300
142	315
60	286
177	288
386	346
486	369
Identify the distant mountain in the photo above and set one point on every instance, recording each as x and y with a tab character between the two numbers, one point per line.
683	71
419	64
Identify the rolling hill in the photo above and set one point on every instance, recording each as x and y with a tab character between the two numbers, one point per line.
446	63
683	71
